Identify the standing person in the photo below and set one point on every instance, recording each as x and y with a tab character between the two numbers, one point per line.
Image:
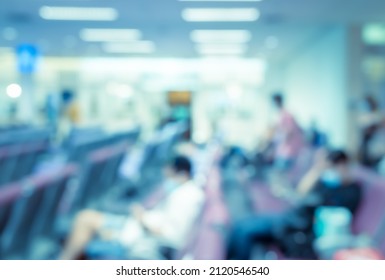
70	113
288	135
372	122
70	107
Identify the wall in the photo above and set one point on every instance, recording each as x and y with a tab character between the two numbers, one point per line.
316	85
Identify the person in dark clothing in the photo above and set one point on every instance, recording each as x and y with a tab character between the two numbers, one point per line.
372	121
329	183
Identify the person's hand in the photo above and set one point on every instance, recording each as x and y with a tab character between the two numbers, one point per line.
320	161
320	164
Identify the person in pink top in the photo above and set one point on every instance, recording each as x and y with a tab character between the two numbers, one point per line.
289	139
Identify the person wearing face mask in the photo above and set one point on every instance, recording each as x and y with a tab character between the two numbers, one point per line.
330	182
143	232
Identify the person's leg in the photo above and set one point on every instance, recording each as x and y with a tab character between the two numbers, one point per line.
86	226
246	233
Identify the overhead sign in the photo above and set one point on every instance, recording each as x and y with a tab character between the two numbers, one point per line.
27	56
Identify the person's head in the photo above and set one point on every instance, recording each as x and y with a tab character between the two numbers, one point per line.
338	171
67	96
278	100
179	169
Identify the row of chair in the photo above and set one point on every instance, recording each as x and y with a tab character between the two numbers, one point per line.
35	207
28	210
20	150
209	242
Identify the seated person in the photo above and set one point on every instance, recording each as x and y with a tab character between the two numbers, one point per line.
329	183
144	232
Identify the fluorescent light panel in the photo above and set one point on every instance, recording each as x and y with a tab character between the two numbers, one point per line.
109	35
134	47
220	36
78	13
221	15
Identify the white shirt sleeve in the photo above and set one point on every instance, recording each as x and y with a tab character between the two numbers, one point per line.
178	213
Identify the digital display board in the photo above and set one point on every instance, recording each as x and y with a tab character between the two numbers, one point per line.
179	98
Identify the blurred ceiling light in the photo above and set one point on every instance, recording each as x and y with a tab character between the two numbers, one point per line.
220	36
216	49
223	14
14	91
9	33
113	35
134	47
272	42
78	13
374	34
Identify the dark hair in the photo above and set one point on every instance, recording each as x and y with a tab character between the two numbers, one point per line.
372	102
67	95
181	164
278	99
338	157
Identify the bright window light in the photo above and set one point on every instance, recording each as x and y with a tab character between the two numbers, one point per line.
14	91
221	15
77	13
120	90
234	92
106	35
134	47
221	49
220	36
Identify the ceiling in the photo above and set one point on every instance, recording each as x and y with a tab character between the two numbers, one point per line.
293	22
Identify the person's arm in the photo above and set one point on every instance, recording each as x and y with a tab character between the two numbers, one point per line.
139	213
310	179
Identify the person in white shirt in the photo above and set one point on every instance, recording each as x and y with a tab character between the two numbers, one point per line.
144	232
